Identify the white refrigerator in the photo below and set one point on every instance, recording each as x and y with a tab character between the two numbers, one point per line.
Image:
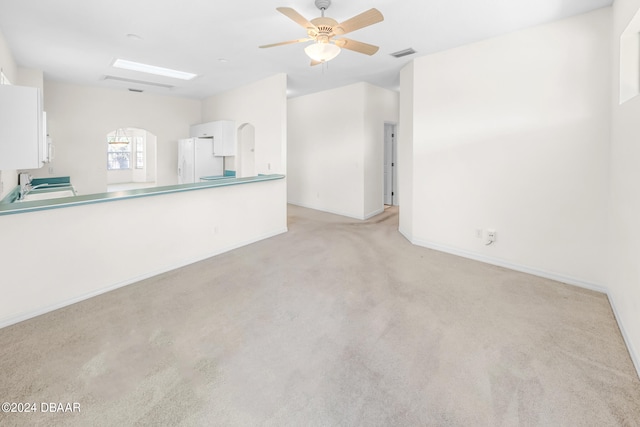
196	159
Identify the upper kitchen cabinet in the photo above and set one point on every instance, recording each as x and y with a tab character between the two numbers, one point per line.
21	128
223	133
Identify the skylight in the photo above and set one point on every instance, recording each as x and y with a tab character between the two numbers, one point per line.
152	69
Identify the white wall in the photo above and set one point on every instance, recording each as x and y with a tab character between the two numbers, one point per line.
94	248
512	133
336	149
80	117
7	63
31	78
624	214
264	105
325	151
8	178
405	152
151	159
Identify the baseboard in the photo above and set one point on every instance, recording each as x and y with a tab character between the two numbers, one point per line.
630	348
547	275
374	213
315	208
512	266
31	314
407	236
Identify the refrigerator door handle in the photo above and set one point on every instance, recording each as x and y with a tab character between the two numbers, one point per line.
180	169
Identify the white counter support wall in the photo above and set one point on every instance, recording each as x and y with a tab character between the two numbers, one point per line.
57	257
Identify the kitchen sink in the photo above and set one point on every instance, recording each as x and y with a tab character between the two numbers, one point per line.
46	195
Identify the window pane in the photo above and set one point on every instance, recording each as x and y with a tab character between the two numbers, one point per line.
118	153
118	161
140	152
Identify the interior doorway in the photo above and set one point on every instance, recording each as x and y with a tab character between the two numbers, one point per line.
131	159
390	163
246	151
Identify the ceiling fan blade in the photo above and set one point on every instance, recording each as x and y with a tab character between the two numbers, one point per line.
370	17
297	18
314	62
356	46
285	43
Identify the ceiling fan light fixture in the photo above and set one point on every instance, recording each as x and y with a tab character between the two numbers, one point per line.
322	52
322	31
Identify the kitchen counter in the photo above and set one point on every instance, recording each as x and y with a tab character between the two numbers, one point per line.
226	174
64	202
55	257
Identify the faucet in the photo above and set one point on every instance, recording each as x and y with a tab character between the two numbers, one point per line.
29	188
24	179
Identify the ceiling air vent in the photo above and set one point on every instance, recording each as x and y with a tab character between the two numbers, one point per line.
135	90
140	82
401	53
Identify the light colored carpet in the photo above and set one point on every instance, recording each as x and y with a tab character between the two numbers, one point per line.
337	322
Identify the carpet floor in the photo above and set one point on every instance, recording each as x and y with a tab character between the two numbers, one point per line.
337	322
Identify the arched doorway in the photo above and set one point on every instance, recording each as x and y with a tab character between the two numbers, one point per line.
131	159
246	151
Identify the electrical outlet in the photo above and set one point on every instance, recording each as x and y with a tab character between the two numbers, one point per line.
479	233
491	235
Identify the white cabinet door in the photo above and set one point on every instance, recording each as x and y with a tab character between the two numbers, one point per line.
223	133
225	138
203	130
21	130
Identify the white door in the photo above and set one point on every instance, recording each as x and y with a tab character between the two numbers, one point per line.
389	162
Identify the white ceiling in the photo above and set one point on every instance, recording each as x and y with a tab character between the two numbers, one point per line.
77	40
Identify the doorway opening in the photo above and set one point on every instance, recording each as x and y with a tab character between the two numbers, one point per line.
390	154
131	159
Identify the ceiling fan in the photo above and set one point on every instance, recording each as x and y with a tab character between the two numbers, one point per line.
322	31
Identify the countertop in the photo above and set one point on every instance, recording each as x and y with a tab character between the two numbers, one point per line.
64	202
